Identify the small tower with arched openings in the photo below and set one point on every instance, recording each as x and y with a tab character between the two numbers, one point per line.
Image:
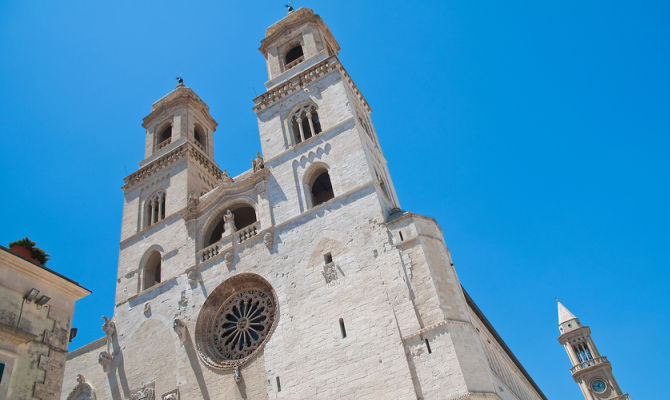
591	370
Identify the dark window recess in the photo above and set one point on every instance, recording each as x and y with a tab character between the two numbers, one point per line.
165	134
293	54
343	330
305	128
400	234
328	258
428	346
152	270
244	216
322	190
296	130
199	136
2	371
278	385
316	122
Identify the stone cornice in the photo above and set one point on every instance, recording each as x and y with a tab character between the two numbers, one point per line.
179	96
292	20
14	337
300	81
184	150
42	275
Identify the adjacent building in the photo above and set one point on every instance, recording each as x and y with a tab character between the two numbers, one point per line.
36	306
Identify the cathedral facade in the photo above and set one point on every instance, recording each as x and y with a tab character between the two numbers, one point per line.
300	278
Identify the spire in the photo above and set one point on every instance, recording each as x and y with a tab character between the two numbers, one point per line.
564	315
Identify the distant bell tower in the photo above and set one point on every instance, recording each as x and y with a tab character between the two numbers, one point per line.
591	371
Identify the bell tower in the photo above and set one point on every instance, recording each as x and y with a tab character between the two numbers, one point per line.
591	371
313	113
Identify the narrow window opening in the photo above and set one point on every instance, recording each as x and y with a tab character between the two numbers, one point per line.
292	55
164	137
2	370
152	271
428	346
199	137
278	385
343	330
305	127
316	122
296	130
322	190
400	234
328	258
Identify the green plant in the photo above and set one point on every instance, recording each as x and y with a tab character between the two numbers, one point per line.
38	254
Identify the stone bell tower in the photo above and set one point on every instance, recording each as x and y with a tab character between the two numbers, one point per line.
591	371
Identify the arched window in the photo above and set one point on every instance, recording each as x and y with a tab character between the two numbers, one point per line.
305	123
243	216
321	189
164	137
382	185
154	209
293	57
152	271
199	137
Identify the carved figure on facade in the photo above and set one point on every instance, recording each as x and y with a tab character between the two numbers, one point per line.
109	327
229	222
192	277
258	163
192	203
183	300
180	328
225	177
83	390
329	272
229	258
105	359
147	309
268	239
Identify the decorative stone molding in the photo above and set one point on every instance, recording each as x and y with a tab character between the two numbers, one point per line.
302	80
192	203
105	359
83	390
147	392
180	328
171	395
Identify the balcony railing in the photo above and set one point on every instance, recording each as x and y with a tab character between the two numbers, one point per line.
295	62
239	236
164	143
588	363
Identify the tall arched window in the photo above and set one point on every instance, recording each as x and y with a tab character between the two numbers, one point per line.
293	57
199	136
164	137
154	209
243	216
321	189
151	273
305	123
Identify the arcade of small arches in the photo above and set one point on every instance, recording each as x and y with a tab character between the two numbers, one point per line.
154	209
305	123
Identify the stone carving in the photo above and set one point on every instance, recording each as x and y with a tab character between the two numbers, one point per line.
105	359
229	258
228	222
329	272
192	276
268	239
146	392
258	163
147	309
109	327
192	203
171	395
180	328
83	390
238	377
225	177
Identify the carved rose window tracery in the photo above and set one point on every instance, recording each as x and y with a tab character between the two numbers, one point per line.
235	321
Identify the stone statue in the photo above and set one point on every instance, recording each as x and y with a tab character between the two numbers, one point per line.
229	222
258	162
108	326
192	203
225	177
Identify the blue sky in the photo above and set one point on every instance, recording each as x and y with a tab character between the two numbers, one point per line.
535	133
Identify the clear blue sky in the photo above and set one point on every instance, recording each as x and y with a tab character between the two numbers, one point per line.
535	133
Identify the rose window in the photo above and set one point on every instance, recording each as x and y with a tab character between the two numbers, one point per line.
242	324
235	321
